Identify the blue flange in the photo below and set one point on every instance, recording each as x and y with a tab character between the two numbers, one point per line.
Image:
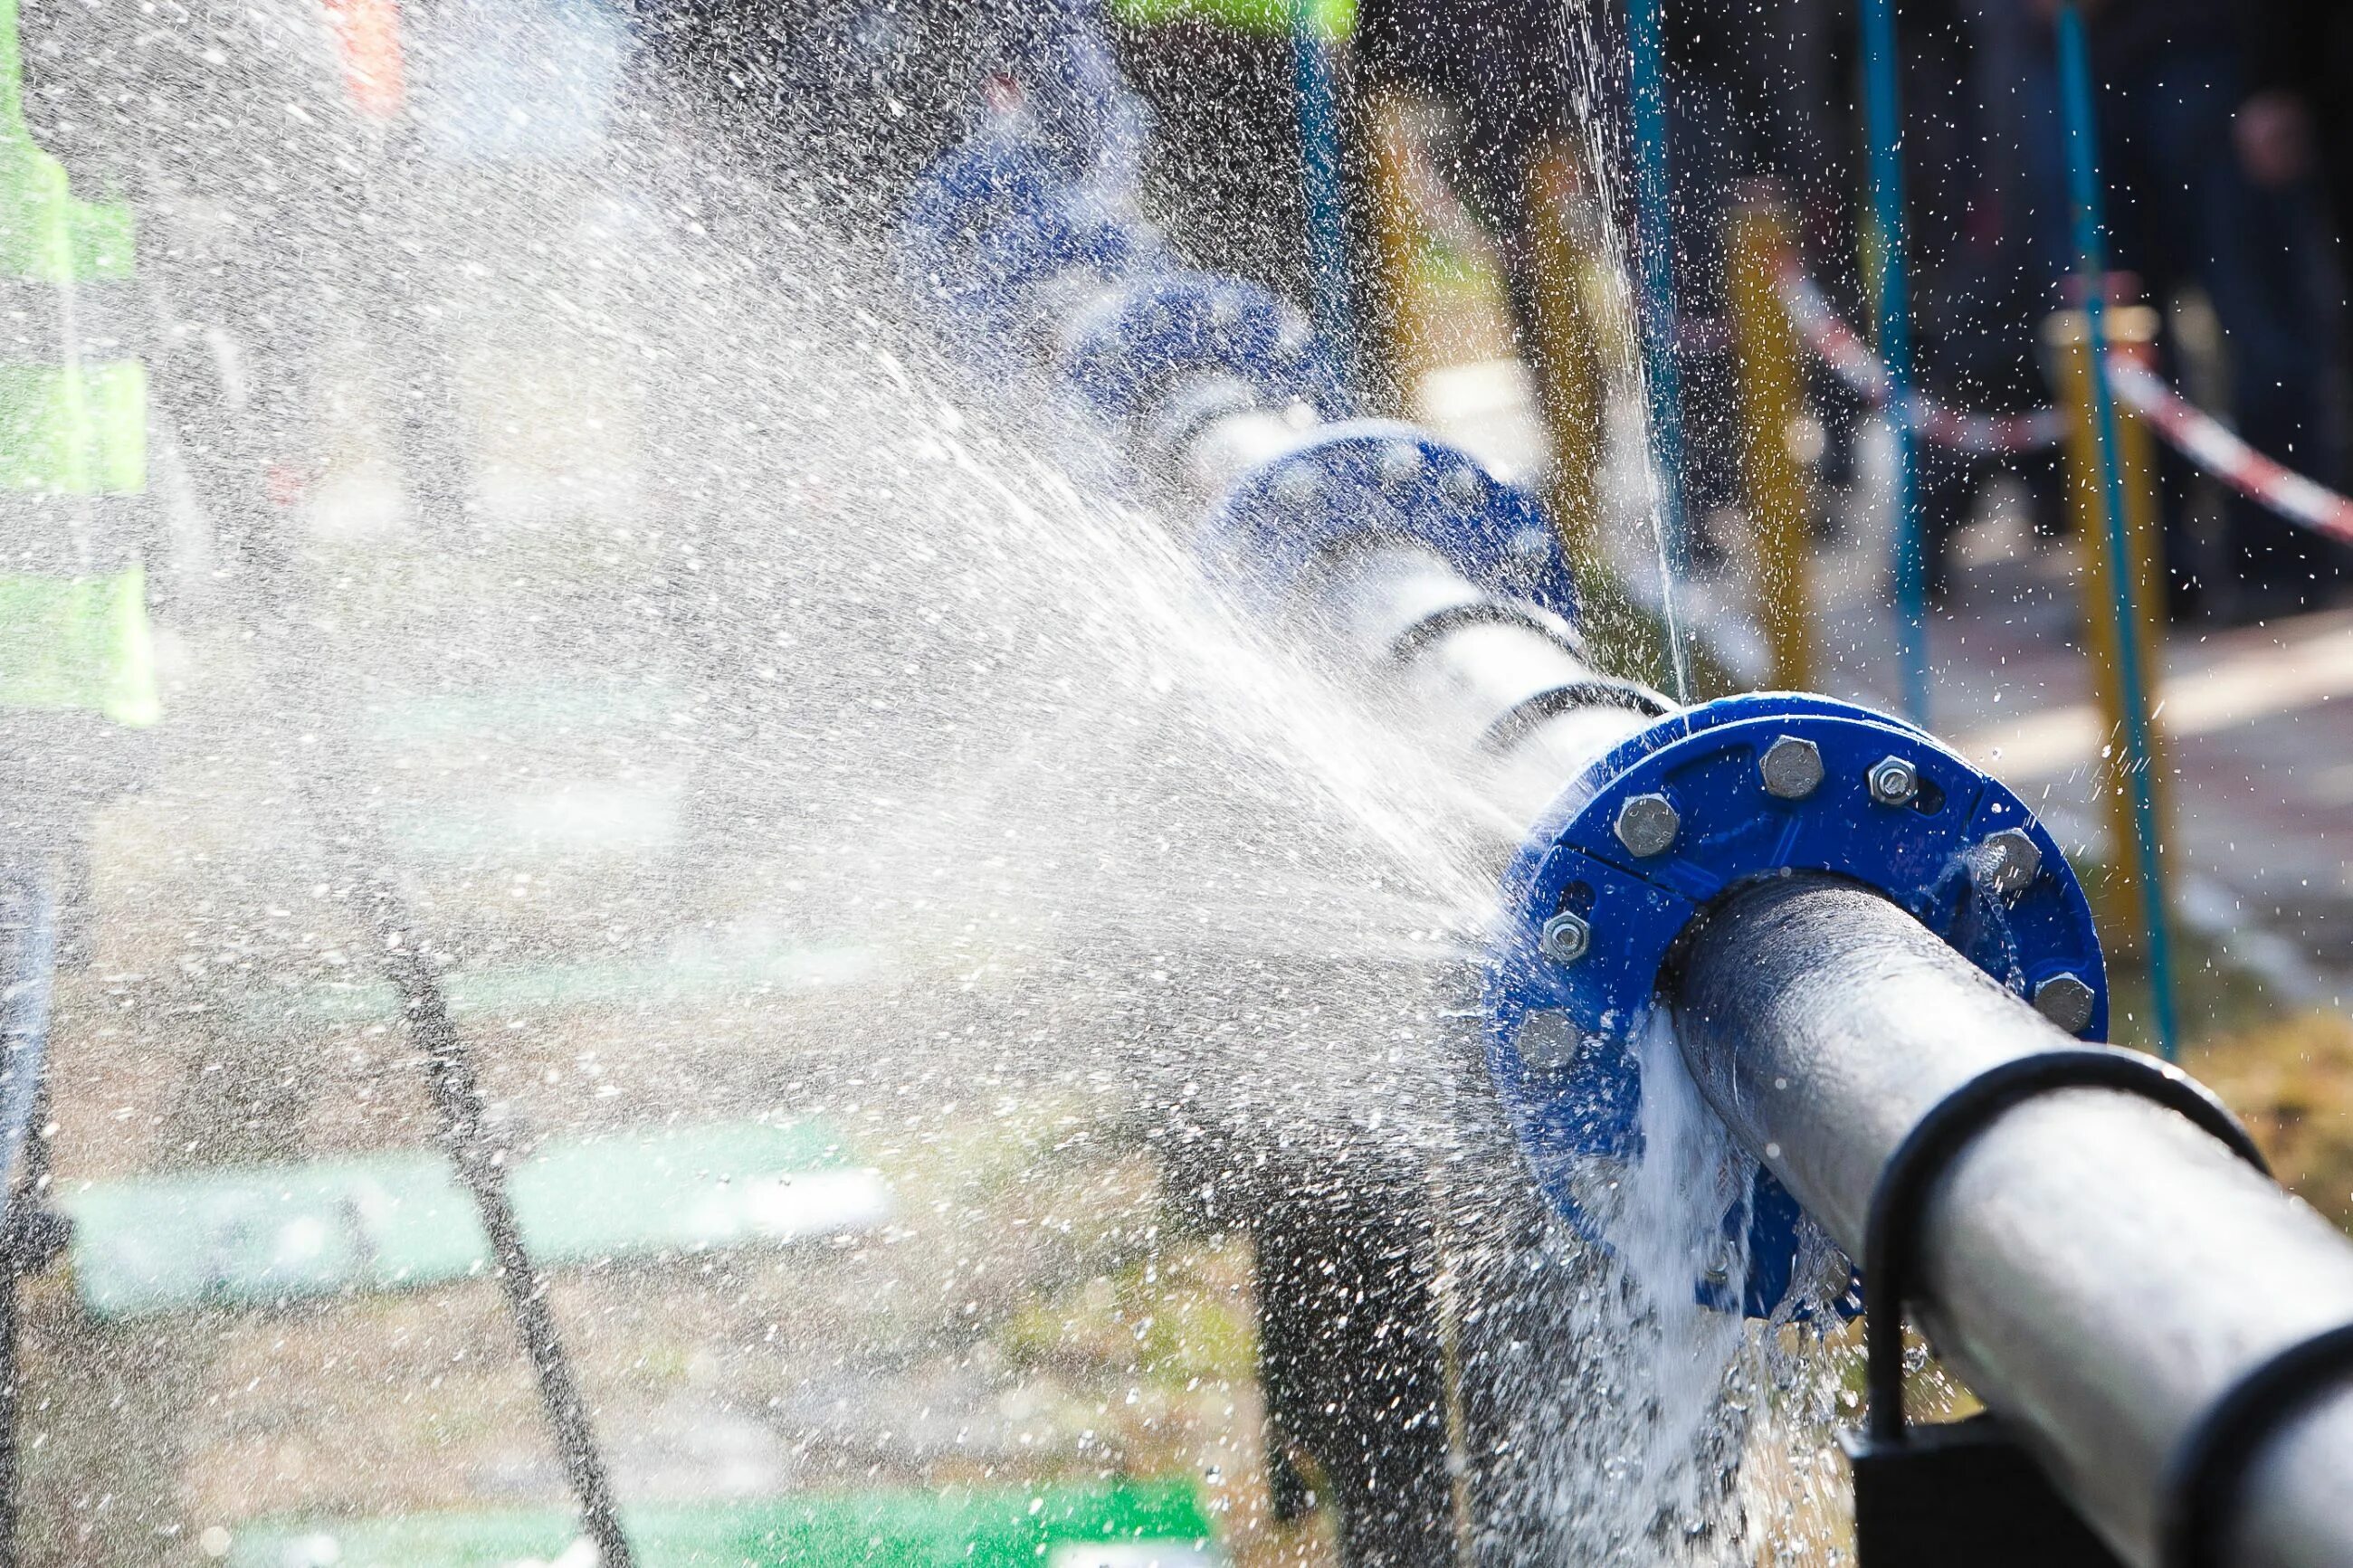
1374	477
999	218
1589	922
1159	330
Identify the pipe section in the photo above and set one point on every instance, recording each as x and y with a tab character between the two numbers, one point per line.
2097	1269
1845	917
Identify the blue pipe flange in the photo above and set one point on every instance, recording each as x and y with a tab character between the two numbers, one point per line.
997	219
1698	804
994	294
1376	478
1136	341
992	178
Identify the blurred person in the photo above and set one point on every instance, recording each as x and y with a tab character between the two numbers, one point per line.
1744	103
2295	126
2185	204
1976	289
2295	123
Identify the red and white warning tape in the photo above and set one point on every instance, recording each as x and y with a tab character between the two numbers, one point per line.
2188	429
1851	361
2202	439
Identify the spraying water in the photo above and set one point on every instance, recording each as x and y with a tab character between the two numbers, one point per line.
768	723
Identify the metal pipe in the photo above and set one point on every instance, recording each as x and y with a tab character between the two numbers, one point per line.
1494	674
2096	1269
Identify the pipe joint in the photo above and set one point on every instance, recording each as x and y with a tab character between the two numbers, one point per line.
1364	481
1135	344
1000	233
1704	802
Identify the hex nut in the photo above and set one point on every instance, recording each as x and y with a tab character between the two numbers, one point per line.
1297	483
1647	824
1566	937
1791	768
2007	862
1461	485
1894	781
1401	463
2066	1000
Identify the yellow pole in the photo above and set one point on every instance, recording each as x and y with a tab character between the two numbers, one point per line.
1572	364
1770	387
1580	337
2132	333
1402	328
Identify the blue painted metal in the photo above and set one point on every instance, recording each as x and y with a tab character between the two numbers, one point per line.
1320	176
1572	1087
1001	235
2084	193
1654	247
1377	477
998	219
1883	125
1130	345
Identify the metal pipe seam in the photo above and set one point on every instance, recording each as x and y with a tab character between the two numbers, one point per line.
1491	669
2096	1268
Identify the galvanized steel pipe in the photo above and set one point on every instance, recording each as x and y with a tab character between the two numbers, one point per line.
2097	1269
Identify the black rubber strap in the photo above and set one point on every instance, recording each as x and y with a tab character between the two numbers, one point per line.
2208	1473
1599	693
1410	642
1892	1234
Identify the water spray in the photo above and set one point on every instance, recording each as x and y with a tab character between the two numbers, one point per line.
1880	969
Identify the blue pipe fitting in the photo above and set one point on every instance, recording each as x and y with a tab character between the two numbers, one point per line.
1370	479
998	219
1165	328
1706	799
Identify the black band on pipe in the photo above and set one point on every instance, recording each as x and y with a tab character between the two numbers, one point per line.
1485	612
1891	1235
1601	692
2209	1470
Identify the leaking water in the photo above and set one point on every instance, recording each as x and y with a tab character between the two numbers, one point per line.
766	723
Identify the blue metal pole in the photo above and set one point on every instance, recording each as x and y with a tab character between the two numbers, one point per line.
1883	126
2090	263
1319	163
1655	259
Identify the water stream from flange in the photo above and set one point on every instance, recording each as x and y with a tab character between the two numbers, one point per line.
869	661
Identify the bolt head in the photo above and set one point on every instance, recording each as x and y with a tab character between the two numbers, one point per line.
1567	938
1401	463
1894	781
1791	768
1298	482
1461	485
1647	825
2007	862
2066	1000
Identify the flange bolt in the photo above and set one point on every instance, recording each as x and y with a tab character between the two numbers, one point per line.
1297	483
2007	862
1791	768
1893	782
2066	1000
1566	937
1647	824
1400	465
